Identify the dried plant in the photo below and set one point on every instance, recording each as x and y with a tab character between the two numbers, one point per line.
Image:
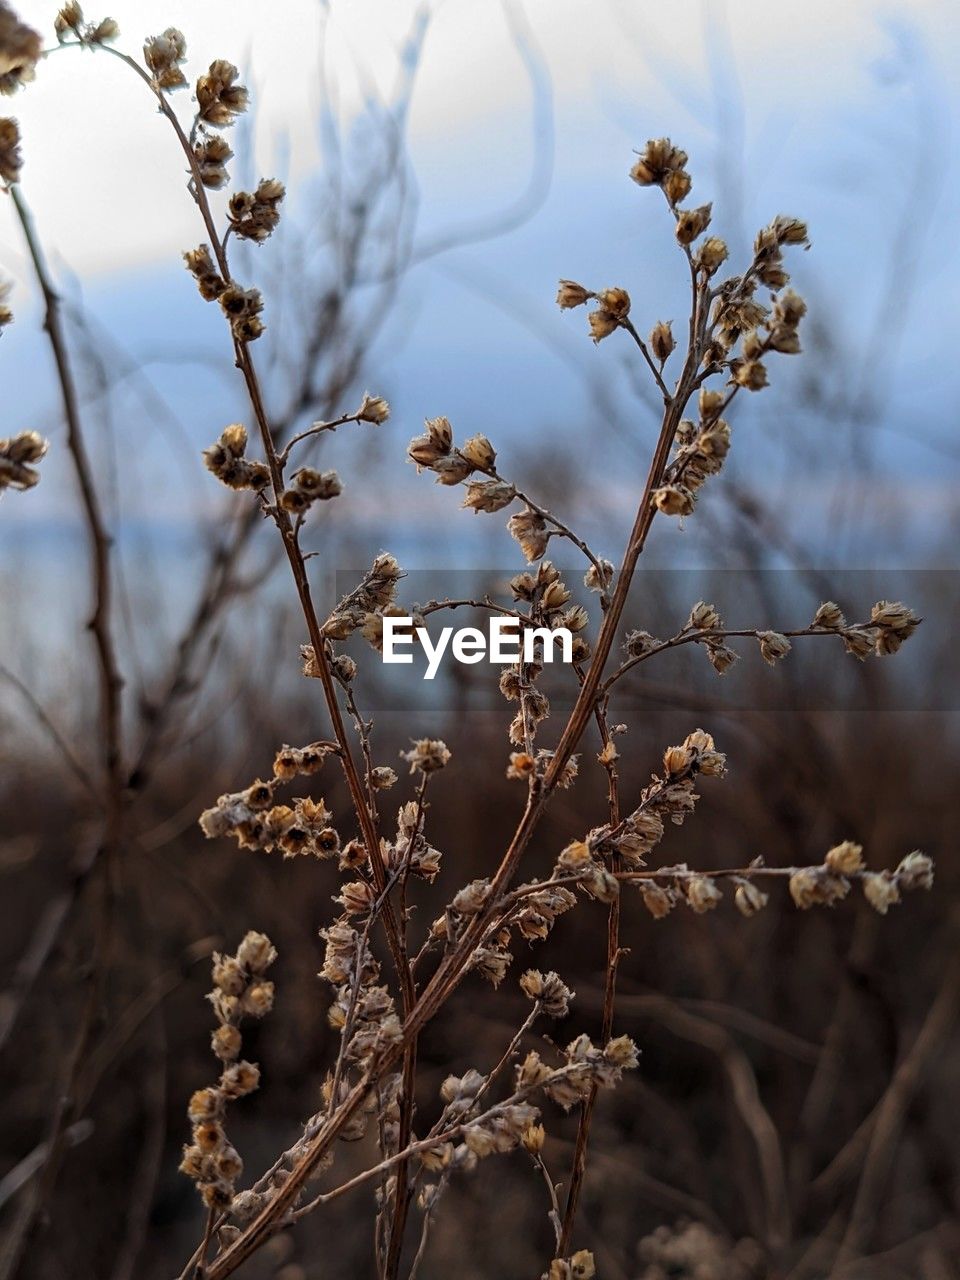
387	982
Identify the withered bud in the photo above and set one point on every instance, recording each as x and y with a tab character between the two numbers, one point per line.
615	301
662	341
692	223
845	858
373	409
489	495
712	254
479	451
570	294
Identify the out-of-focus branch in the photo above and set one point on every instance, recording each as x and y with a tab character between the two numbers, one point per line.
110	743
890	1116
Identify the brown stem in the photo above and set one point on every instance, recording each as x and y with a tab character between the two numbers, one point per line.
110	686
200	1270
579	1169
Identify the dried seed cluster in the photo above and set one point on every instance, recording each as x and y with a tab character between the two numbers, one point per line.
212	154
70	22
20	51
890	624
427	755
668	798
255	822
435	451
226	461
364	607
164	55
18	458
240	990
507	1125
579	1266
242	307
307	487
256	215
11	161
549	605
738	332
220	96
829	884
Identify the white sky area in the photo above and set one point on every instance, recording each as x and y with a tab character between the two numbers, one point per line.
99	179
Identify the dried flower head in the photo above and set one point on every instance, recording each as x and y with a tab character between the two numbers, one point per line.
164	56
255	215
212	155
479	452
373	409
894	623
201	266
220	98
702	894
427	755
489	495
712	254
662	342
238	989
547	990
308	486
226	461
11	160
844	859
881	890
817	886
915	871
571	294
242	308
18	457
749	899
70	22
691	223
658	161
613	308
530	530
773	646
20	51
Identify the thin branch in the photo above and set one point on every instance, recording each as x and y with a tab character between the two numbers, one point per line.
317	428
707	636
579	1169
